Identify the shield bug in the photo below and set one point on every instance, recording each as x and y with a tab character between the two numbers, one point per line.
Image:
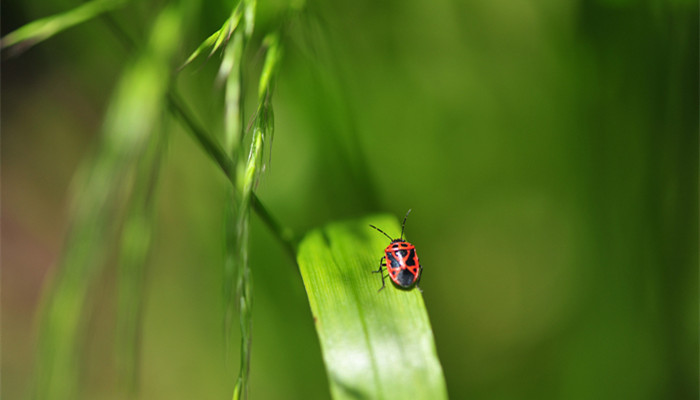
402	263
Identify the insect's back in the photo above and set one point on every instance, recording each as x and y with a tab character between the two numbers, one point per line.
402	263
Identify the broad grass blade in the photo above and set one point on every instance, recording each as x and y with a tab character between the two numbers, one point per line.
376	345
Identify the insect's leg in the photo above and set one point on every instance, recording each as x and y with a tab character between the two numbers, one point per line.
383	285
381	264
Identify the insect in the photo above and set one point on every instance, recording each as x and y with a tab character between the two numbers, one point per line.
402	262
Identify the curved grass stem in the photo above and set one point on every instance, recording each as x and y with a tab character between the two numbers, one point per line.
177	106
281	233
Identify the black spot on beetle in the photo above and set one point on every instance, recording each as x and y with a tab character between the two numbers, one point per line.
411	258
405	278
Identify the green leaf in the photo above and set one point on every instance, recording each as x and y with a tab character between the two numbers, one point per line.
42	29
376	345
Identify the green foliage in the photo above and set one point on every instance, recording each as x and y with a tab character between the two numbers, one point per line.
375	345
119	174
551	148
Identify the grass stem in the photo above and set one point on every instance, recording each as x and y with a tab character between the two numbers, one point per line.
283	234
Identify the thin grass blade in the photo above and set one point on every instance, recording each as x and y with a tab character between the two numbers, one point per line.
42	29
207	43
376	345
221	36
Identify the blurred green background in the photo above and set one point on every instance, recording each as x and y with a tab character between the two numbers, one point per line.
549	151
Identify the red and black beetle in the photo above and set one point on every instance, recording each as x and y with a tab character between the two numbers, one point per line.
404	268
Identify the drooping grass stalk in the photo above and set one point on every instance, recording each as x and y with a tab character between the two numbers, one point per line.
237	285
109	182
237	296
136	241
243	173
263	127
284	234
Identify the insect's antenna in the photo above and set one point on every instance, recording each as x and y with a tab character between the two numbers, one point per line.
404	222
381	231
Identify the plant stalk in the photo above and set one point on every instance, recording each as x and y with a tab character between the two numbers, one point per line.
283	234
